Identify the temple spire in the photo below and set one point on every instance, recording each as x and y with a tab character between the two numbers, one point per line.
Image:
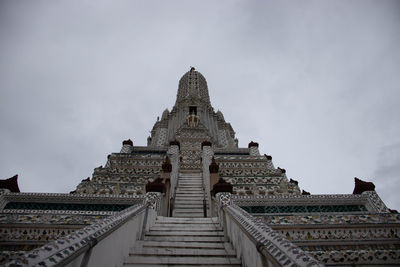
193	88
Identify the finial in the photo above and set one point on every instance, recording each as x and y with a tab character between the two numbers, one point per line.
192	69
253	144
127	142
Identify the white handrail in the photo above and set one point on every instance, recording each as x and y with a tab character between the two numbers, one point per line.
268	242
72	247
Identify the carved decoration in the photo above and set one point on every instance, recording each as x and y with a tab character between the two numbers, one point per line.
175	143
205	143
213	166
305	193
127	142
193	120
251	144
167	166
221	186
362	186
268	157
10	184
224	198
282	170
156	186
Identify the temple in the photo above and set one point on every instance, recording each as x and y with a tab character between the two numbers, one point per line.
193	197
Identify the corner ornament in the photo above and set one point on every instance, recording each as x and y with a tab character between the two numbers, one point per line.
152	199
224	199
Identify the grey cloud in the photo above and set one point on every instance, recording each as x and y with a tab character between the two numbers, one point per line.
315	83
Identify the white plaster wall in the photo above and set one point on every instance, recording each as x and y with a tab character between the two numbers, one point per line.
245	248
112	250
173	154
207	154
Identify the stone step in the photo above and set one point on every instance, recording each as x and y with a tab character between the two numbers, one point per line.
200	245
194	201
181	252
188	195
183	213
198	204
185	238
195	193
189	200
190	225
188	211
198	228
194	196
191	206
198	200
182	203
193	215
181	194
198	207
197	261
189	189
187	220
184	233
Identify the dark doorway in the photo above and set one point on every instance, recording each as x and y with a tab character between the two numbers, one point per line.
193	110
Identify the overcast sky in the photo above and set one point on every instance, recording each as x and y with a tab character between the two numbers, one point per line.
315	83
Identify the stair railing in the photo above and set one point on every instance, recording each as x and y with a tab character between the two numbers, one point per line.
172	203
269	248
204	198
173	153
204	202
86	247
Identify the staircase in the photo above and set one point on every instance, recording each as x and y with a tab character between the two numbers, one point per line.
189	196
183	242
187	238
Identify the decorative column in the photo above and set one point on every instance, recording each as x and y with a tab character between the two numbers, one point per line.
207	154
152	202
218	184
166	178
173	155
214	176
127	146
253	149
222	199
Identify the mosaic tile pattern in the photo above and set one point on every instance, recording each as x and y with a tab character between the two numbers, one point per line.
358	256
45	218
332	219
341	234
